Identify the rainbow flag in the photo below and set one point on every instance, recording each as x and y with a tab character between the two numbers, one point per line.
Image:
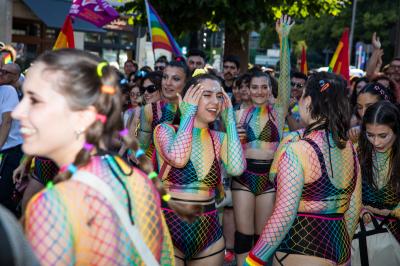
303	62
7	57
66	37
160	36
340	60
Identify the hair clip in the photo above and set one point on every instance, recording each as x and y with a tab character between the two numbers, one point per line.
198	72
141	74
107	89
166	197
70	168
323	85
101	118
100	67
139	153
124	132
50	185
152	175
88	146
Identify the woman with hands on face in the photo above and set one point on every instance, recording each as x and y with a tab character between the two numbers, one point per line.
189	158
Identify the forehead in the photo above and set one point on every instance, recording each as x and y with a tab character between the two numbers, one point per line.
378	129
195	58
210	84
367	98
172	70
259	81
298	80
229	64
395	63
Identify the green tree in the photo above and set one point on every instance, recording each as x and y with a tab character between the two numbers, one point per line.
239	18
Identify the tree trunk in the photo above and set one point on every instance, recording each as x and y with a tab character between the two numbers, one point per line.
237	43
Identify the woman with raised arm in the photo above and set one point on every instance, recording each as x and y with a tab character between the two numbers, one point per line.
190	158
318	184
174	78
379	153
98	210
260	129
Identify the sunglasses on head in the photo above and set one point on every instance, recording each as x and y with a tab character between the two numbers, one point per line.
297	85
150	88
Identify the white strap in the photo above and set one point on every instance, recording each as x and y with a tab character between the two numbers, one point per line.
97	184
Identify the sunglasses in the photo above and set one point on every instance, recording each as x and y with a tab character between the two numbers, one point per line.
150	88
296	85
133	94
159	68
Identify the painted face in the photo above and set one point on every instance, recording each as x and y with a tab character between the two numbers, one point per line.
260	92
244	91
195	62
150	92
173	81
48	125
381	137
364	100
210	103
230	70
297	87
135	96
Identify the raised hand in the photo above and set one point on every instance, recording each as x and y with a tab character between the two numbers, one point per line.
376	42
192	96
283	25
227	103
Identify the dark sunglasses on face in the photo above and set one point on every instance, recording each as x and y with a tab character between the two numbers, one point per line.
159	68
135	94
149	89
296	85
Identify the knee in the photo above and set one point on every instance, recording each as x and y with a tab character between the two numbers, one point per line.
243	243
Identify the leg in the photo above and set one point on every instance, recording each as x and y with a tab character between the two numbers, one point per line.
228	224
213	255
244	205
264	206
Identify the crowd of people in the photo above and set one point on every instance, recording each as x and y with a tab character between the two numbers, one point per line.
182	165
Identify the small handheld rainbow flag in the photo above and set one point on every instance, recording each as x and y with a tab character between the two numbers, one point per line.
66	37
303	62
340	60
160	36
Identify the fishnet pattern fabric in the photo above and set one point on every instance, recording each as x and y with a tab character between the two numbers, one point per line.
384	196
257	183
44	170
298	166
268	133
320	237
192	238
73	224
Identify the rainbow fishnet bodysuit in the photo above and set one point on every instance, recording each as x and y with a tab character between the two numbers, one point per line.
44	170
72	224
267	122
318	200
191	160
152	115
384	195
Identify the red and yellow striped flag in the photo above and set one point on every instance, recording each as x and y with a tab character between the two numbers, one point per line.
340	60
303	62
66	37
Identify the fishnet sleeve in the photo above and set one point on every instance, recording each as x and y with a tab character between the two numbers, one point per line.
145	132
48	230
282	104
396	211
232	155
290	182
175	148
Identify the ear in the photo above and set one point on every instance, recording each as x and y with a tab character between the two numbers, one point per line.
86	117
307	102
